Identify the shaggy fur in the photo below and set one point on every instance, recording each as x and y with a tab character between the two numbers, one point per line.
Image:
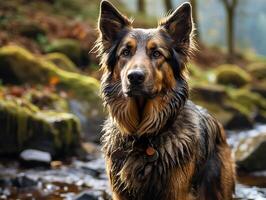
192	160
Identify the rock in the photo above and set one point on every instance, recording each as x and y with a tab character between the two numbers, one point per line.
261	117
230	118
92	195
69	47
24	126
23	181
209	93
5	182
33	157
259	88
250	153
62	61
17	65
232	75
239	121
248	103
91	118
257	70
249	100
244	192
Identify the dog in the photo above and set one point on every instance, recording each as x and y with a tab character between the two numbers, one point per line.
158	145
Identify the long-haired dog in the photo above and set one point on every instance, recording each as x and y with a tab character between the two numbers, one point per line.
158	145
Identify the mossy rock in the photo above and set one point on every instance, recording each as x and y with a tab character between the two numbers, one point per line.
24	126
17	65
232	75
208	92
61	61
259	88
258	70
231	117
70	47
250	153
249	101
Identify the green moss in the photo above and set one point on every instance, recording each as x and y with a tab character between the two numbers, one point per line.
208	92
232	75
62	61
257	70
22	123
66	123
17	65
70	47
249	100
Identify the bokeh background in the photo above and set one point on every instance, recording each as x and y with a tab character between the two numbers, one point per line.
51	113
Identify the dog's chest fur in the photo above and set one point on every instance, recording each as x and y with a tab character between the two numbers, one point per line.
140	176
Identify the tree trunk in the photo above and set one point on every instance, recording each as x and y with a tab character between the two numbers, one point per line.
194	5
141	6
168	5
230	33
230	7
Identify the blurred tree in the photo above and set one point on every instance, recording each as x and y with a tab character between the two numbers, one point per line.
230	7
168	5
141	6
194	4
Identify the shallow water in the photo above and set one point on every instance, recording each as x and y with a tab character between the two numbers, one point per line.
75	177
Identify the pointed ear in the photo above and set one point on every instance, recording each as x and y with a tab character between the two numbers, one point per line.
111	22
179	24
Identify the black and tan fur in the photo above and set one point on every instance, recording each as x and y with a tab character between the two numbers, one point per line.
151	109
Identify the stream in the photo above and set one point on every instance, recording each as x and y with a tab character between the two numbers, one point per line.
77	179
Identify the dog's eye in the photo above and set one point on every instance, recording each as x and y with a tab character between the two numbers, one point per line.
156	54
125	52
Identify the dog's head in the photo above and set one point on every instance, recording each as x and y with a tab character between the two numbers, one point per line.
145	61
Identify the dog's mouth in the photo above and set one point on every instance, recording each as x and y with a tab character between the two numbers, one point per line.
139	92
133	91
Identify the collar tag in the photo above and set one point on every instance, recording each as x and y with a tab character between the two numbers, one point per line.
151	154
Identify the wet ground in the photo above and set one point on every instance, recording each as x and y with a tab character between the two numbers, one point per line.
76	179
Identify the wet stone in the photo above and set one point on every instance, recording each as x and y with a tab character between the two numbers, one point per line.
23	181
35	158
250	153
249	193
5	181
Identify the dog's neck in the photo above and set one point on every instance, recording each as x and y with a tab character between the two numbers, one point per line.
143	116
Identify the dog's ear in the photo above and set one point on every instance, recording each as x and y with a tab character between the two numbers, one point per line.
179	24
111	22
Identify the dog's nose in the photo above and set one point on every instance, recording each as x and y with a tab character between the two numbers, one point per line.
135	77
